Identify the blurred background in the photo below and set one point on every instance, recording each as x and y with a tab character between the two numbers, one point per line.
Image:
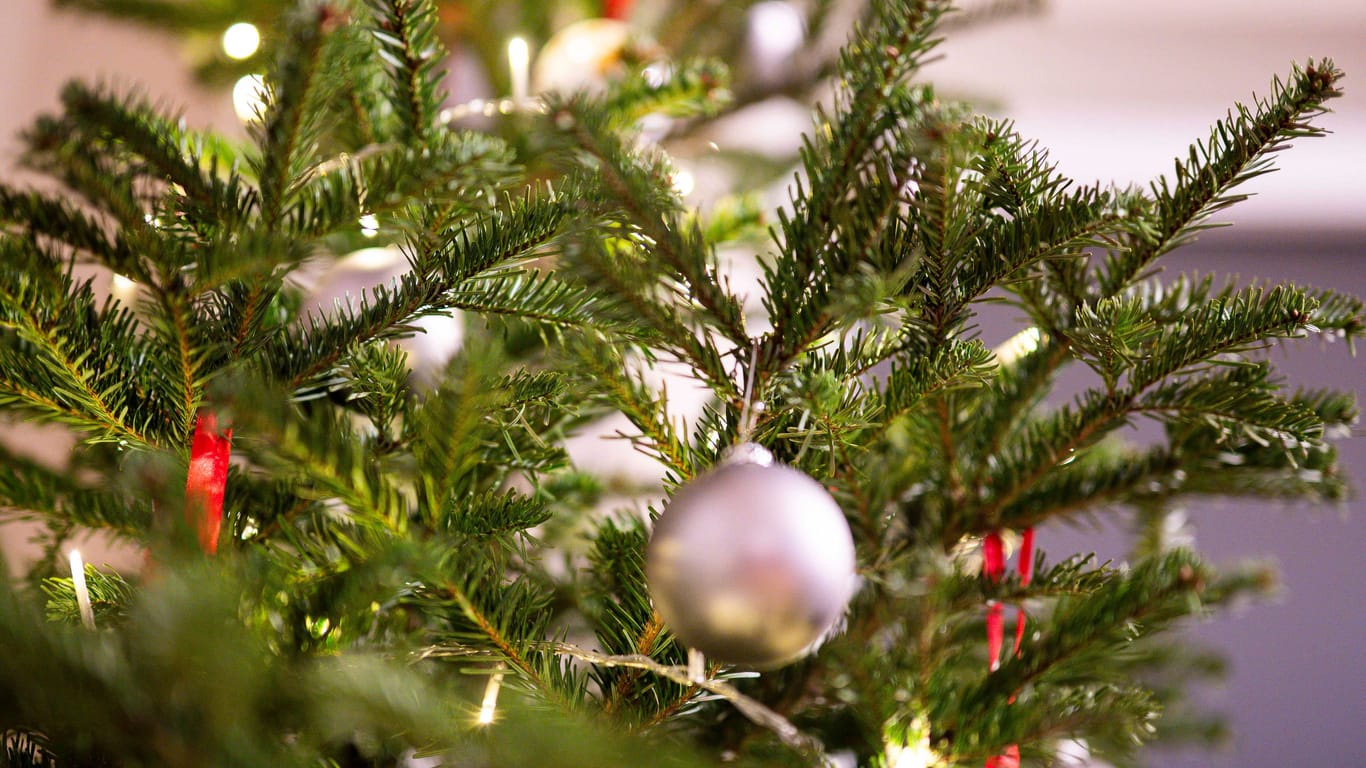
1115	90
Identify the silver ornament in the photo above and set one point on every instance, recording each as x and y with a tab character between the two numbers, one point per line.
752	562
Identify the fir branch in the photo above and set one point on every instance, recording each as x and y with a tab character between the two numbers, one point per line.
466	171
1232	323
1238	149
686	89
289	125
57	220
32	491
489	515
916	380
451	433
1053	229
642	407
65	360
625	623
26	749
110	596
1238	403
543	299
804	272
495	241
497	617
62	150
637	183
1077	636
1096	478
321	455
1039	447
168	151
181	382
1229	324
405	38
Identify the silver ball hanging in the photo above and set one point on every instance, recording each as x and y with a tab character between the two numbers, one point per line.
751	562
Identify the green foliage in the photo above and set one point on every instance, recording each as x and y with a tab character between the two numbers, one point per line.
393	542
109	594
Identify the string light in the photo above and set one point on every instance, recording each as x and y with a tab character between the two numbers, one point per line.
519	62
1017	346
369	225
776	28
248	97
489	708
82	592
910	756
909	747
241	40
684	182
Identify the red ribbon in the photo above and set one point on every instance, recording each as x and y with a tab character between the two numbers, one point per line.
617	9
994	568
1025	565
206	480
1009	759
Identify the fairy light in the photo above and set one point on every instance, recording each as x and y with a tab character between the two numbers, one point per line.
918	755
1023	343
911	748
684	182
369	225
82	591
776	28
241	40
248	97
489	708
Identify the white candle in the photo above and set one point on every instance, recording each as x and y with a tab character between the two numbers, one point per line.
519	61
82	592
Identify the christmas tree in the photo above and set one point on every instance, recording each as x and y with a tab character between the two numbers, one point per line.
357	555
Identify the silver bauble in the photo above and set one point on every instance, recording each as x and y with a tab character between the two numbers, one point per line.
752	562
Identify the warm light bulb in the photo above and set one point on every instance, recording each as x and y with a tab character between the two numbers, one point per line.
369	225
241	40
1023	343
776	29
489	708
249	97
684	182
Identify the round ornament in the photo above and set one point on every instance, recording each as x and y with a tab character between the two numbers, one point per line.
752	562
584	55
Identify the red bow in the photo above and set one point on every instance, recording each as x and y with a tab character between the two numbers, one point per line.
206	480
617	9
994	567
